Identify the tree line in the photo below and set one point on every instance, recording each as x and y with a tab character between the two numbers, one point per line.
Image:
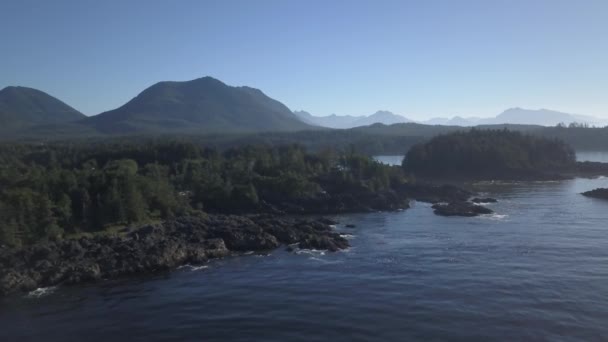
48	191
488	153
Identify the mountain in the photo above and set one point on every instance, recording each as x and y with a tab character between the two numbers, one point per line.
520	116
543	117
454	121
350	121
305	117
23	107
330	121
203	105
381	116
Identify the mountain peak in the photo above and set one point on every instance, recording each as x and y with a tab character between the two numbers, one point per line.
206	79
349	121
23	106
204	104
384	113
21	90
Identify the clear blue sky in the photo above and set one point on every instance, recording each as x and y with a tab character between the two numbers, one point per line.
417	58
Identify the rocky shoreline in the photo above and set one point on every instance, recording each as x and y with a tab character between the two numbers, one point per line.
447	200
197	239
331	203
591	169
585	169
600	193
151	248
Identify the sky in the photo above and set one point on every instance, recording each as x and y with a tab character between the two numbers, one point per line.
420	59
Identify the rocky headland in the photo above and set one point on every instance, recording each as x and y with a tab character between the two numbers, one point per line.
152	248
600	193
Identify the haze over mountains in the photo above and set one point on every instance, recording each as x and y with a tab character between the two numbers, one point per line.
207	105
515	116
521	116
350	121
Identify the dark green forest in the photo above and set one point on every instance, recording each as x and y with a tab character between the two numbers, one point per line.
581	137
49	191
489	154
58	189
370	140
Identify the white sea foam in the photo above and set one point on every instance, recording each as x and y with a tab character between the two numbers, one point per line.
41	291
495	217
261	255
485	203
193	268
347	236
324	261
310	251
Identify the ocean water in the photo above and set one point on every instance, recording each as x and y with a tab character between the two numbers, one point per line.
594	156
389	160
535	270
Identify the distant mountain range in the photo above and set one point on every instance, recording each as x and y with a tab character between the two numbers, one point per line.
350	121
22	107
520	116
207	105
516	116
454	121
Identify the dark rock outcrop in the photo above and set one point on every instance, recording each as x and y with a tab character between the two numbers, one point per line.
435	193
448	200
484	200
186	240
339	202
460	209
601	193
591	169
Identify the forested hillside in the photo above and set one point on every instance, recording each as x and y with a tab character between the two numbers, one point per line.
50	191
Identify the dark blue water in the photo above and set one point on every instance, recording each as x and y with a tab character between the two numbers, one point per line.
536	270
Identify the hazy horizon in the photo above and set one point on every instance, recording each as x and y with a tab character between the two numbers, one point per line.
417	59
440	115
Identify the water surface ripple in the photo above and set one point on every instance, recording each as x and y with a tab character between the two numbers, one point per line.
536	270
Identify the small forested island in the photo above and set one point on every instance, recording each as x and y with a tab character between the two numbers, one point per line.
496	155
73	212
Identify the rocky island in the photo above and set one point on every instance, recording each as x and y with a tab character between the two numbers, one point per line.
467	209
600	193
